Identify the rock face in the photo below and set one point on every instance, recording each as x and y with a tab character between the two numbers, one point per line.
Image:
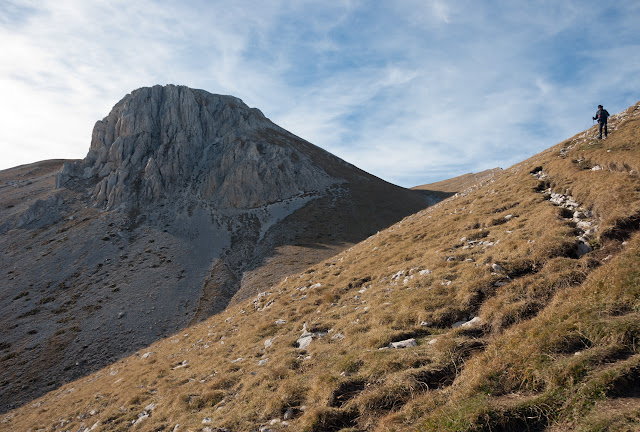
185	202
162	142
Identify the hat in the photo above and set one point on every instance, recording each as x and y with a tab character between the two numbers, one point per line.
599	106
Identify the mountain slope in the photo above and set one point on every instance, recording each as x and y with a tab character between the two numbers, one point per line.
544	257
185	201
460	183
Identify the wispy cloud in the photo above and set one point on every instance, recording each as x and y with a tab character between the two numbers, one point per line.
412	91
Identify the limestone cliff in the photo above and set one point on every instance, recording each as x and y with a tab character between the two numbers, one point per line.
160	142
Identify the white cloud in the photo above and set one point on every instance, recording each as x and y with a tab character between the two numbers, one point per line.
410	91
441	10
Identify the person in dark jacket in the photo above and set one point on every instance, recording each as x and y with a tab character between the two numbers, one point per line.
602	115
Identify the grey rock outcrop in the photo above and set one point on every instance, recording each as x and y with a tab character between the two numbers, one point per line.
160	142
307	337
403	343
42	212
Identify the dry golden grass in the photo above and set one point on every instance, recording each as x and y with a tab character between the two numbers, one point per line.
557	347
460	183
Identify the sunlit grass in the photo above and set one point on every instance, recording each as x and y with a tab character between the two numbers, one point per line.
556	347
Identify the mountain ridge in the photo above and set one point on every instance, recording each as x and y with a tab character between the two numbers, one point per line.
182	194
459	183
505	324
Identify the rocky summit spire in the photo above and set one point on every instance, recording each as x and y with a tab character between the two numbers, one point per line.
173	143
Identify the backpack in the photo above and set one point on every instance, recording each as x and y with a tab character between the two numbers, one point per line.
602	115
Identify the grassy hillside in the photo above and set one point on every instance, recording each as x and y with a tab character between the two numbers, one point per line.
544	256
460	183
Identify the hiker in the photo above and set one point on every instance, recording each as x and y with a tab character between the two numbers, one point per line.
602	115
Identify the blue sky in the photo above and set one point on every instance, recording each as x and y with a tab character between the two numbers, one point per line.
411	91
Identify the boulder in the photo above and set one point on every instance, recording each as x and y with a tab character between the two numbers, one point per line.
583	247
472	322
403	344
307	337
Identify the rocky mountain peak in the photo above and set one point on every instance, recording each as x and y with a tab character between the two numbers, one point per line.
186	202
173	142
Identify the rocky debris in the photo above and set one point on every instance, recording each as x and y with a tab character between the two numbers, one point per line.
538	171
307	337
259	302
304	341
403	344
183	364
403	275
472	322
280	322
565	150
498	270
561	200
40	214
458	323
288	414
497	267
144	414
582	218
274	422
147	354
583	246
470	244
467	323
94	427
585	228
398	275
269	342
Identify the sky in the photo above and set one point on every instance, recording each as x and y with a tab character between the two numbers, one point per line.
412	91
